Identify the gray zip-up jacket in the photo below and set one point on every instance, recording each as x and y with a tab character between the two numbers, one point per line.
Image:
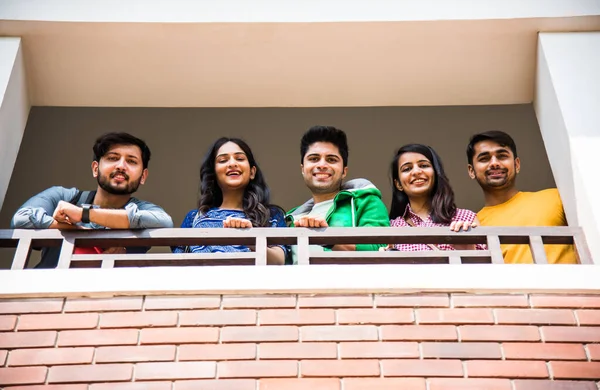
37	213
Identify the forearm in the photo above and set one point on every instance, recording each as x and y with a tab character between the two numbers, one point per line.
110	218
344	247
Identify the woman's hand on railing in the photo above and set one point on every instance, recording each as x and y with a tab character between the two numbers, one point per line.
237	223
457	226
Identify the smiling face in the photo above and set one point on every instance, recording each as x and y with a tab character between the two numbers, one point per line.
494	166
120	171
323	170
232	168
416	176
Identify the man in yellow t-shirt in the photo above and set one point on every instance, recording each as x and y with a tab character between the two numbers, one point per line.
493	162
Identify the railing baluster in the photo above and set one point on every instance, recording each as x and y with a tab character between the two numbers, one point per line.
303	251
22	254
493	243
537	250
108	262
261	250
452	259
581	248
66	252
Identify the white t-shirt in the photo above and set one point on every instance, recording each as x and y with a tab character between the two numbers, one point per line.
319	210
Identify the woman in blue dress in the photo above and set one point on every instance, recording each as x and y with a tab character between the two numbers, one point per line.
233	194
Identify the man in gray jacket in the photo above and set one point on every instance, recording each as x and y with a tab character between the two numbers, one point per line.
120	165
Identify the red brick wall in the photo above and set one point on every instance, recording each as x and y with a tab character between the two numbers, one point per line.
357	342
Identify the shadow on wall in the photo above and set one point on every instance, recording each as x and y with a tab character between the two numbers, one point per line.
57	147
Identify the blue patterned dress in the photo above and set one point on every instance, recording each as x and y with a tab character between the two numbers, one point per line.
214	218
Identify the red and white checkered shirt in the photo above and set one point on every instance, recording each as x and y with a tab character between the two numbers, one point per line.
460	215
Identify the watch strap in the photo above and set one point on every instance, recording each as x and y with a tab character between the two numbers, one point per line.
85	213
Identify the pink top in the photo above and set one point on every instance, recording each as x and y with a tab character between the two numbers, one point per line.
460	215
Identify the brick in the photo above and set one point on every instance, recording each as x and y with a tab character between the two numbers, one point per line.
425	368
11	340
339	368
408	300
379	350
493	300
506	369
588	317
179	370
468	384
258	333
138	319
461	350
50	356
384	384
3	356
455	316
375	316
7	323
98	337
419	332
220	384
300	384
339	333
148	353
566	301
297	317
335	301
571	334
182	302
50	387
22	306
544	351
258	302
257	369
499	333
217	352
103	304
91	373
22	375
535	316
593	351
179	335
575	370
132	386
58	321
284	351
217	317
532	384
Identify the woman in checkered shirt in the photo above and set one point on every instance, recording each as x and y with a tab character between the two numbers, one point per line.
422	197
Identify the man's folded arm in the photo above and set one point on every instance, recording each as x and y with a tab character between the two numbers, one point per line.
37	212
146	215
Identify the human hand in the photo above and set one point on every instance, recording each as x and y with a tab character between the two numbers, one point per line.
384	248
117	250
312	222
456	226
66	212
238	223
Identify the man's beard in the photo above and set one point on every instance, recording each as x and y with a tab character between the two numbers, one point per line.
104	183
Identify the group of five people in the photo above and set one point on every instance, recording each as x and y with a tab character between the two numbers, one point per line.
234	194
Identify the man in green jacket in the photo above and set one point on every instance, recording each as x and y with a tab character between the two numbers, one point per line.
356	203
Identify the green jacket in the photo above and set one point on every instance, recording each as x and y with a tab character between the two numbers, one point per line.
358	204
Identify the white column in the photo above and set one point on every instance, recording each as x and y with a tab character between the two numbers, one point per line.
14	107
567	104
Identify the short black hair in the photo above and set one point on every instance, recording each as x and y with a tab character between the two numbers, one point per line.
325	134
499	137
108	140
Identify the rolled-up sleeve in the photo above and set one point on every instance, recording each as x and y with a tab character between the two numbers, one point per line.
146	215
37	212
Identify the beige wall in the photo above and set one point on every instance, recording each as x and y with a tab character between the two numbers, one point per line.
56	147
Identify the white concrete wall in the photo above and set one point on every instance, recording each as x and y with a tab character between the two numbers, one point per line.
567	105
14	108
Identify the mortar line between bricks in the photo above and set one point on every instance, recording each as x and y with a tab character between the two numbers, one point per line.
336	319
502	351
587	352
458	334
139	338
256	352
529	301
550	373
464	367
47	378
64	305
177	347
221	297
539	329
420	348
576	317
256	381
94	355
143	309
297	305
99	320
495	316
338	351
379	334
178	323
415	315
380	368
427	384
451	300
342	384
56	339
257	317
373	301
17	323
512	384
299	369
133	372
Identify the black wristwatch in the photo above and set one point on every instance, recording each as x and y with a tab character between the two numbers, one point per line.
85	212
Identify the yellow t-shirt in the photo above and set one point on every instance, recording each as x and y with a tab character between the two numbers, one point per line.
542	208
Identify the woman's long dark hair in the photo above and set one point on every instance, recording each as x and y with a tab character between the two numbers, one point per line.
257	197
442	195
